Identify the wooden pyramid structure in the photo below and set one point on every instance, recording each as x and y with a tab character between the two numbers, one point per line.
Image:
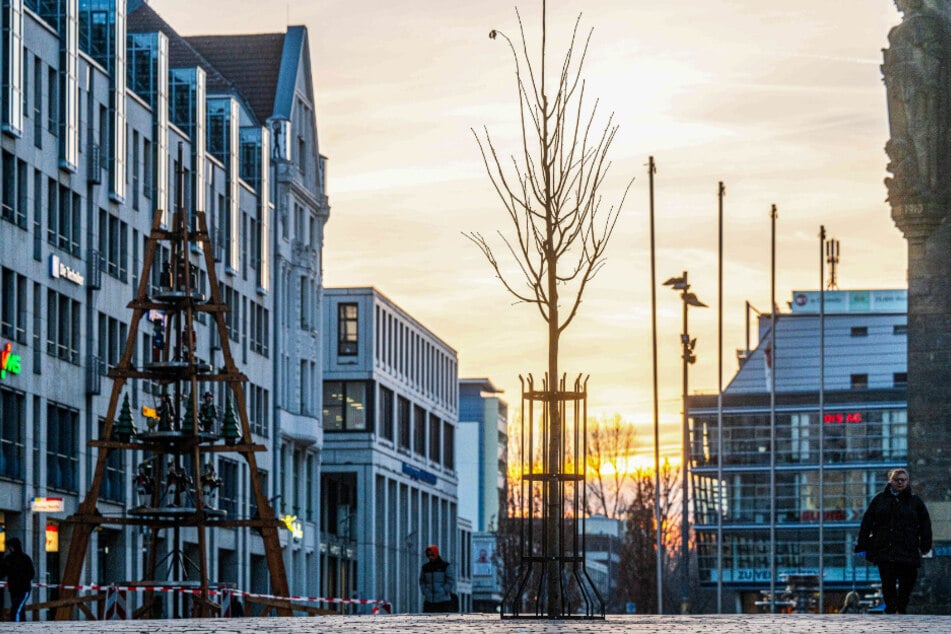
176	484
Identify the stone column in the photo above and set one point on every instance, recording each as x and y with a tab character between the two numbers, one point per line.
916	72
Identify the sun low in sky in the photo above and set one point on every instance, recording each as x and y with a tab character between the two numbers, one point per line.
783	101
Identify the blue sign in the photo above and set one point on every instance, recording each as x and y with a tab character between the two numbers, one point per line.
419	474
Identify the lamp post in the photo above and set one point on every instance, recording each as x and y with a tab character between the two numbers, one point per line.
687	346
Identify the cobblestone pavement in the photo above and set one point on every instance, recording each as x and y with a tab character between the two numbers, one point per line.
431	624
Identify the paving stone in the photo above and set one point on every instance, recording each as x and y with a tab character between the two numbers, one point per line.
472	623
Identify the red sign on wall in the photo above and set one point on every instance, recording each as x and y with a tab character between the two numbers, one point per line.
843	417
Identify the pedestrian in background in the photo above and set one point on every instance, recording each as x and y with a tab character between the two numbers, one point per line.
895	532
437	583
17	568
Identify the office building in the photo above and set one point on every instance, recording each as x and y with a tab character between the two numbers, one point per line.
482	458
848	444
108	114
389	474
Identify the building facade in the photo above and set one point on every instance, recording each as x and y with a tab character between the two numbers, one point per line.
482	458
389	474
847	445
109	115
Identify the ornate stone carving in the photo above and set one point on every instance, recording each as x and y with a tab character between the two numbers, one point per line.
916	70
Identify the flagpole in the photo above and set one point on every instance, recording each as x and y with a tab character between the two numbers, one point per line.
772	413
721	192
651	170
822	417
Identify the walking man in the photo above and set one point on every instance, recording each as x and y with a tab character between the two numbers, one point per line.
895	532
18	569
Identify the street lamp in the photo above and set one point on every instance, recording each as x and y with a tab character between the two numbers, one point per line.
687	345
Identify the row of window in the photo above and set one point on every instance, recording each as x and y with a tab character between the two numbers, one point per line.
747	496
350	406
411	355
858	435
747	557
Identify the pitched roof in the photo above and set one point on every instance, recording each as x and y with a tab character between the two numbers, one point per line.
251	63
245	65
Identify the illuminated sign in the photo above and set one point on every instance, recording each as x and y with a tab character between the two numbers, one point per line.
843	417
47	505
9	362
58	269
294	525
52	538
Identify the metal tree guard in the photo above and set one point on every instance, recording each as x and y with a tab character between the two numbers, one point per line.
540	477
175	487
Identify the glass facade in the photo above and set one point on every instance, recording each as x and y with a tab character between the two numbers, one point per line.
859	445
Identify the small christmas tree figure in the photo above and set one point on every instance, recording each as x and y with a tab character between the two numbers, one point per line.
229	427
188	419
124	429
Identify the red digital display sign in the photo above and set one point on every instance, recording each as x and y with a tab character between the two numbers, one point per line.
843	417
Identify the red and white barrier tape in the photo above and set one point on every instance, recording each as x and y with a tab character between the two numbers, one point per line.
239	593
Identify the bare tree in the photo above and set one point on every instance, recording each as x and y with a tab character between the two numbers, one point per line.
611	442
637	575
551	191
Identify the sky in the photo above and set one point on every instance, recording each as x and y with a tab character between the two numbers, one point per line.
782	101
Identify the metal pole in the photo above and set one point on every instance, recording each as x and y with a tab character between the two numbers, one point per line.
822	418
651	170
772	413
721	192
684	485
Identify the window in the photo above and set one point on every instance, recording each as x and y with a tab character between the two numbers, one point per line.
13	307
403	411
259	410
14	190
52	101
62	315
260	327
135	170
38	102
385	409
448	445
113	483
62	447
112	338
900	329
345	406
859	381
900	379
419	430
12	429
859	331
434	444
347	337
228	493
64	215
147	168
265	490
309	484
113	245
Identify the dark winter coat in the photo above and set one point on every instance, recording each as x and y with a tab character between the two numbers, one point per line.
436	581
895	529
17	567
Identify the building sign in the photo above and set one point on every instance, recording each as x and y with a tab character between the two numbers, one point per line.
60	270
47	505
837	302
842	417
9	362
419	474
